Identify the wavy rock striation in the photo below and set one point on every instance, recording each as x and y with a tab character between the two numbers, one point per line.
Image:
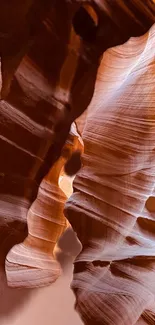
110	209
53	85
32	263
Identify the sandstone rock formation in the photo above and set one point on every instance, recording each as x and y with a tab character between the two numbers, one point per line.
52	87
110	209
32	263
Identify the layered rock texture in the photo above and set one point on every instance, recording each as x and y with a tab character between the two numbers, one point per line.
50	54
112	208
32	263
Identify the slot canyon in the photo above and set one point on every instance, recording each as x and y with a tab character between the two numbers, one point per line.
77	161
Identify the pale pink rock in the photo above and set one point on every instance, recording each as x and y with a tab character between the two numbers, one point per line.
114	275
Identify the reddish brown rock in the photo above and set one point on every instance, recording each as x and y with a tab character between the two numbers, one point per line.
32	263
42	93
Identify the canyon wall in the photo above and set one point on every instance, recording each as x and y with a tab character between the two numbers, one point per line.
50	54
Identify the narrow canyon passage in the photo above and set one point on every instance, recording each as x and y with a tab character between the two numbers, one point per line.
60	59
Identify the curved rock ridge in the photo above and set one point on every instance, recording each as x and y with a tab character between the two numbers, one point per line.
52	86
58	66
32	263
111	208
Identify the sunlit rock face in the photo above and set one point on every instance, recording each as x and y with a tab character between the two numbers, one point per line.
53	84
49	63
33	263
113	205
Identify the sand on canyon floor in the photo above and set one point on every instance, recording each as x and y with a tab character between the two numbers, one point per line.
53	305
